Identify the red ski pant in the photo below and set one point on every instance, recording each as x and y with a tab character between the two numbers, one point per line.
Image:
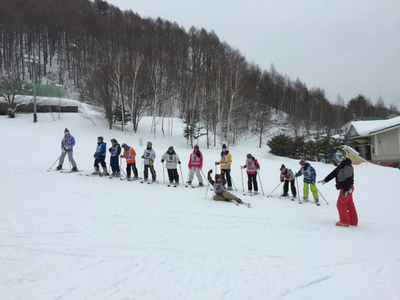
347	210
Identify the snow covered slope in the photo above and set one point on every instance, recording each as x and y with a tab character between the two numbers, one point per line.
67	236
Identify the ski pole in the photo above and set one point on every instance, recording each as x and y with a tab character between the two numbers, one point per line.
205	197
322	196
281	192
55	162
259	178
120	165
163	173
181	171
233	183
141	166
204	176
298	190
269	195
241	170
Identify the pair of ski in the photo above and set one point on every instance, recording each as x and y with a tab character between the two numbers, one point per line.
193	187
174	185
241	202
149	181
250	194
316	203
129	179
68	172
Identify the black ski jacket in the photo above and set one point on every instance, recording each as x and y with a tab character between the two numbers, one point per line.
344	175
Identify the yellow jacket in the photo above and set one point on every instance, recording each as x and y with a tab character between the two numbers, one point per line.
226	161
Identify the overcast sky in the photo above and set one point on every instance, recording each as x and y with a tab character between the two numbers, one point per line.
346	47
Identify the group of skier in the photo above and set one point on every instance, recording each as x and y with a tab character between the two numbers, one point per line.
343	173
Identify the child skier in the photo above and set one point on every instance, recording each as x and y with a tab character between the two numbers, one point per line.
309	180
100	156
115	151
149	156
252	167
172	159
67	145
344	175
195	165
225	162
220	193
287	176
130	156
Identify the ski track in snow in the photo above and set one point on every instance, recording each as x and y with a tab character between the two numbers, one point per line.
66	236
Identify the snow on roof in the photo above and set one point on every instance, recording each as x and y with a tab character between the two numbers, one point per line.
365	128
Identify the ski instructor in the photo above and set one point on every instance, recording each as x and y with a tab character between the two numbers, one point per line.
344	174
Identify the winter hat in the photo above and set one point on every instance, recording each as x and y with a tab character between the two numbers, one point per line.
196	146
339	156
66	131
100	138
149	144
249	156
171	148
217	176
124	145
224	147
283	168
302	162
114	141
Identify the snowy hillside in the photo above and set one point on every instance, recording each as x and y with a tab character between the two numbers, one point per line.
67	236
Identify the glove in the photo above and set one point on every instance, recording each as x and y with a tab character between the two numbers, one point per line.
142	156
63	150
322	182
227	167
109	149
216	163
162	160
151	161
344	194
209	172
282	180
287	176
121	156
296	175
313	181
179	162
95	155
350	190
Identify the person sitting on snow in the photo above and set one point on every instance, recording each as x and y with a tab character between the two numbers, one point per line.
220	193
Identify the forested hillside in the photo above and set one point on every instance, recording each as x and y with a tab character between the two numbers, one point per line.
131	66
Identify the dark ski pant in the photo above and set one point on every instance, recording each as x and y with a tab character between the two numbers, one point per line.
128	169
252	180
227	175
114	163
100	161
173	175
292	187
152	171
